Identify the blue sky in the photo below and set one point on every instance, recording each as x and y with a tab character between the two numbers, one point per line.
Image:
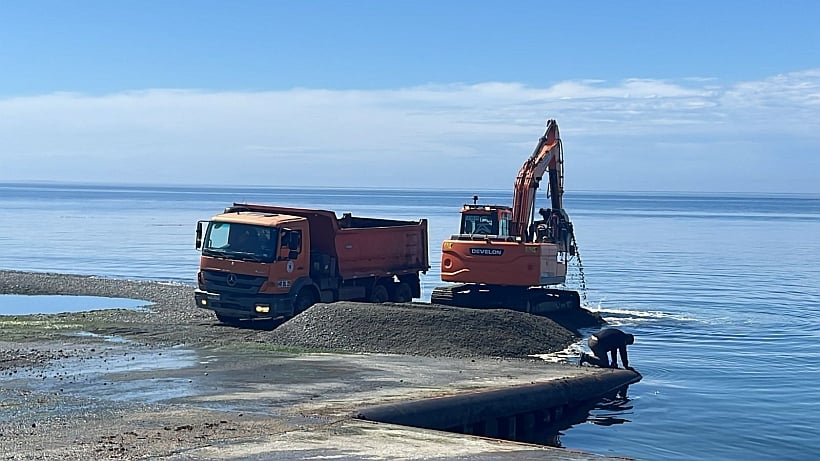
649	95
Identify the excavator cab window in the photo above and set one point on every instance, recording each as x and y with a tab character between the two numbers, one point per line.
482	224
504	225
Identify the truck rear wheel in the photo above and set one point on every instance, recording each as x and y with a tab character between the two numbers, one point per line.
379	294
402	293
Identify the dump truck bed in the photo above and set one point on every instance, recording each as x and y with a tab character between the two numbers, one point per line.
363	246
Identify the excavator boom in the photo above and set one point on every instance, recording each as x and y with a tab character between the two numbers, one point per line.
547	155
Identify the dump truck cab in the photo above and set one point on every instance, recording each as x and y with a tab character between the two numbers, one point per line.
247	255
254	237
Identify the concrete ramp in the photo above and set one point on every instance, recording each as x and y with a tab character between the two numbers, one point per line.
509	413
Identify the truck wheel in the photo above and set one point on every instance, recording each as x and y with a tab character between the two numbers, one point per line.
379	294
227	319
402	293
303	300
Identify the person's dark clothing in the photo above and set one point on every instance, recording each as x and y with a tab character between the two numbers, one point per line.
610	341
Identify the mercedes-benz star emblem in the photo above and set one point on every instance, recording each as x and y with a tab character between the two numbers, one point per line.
231	280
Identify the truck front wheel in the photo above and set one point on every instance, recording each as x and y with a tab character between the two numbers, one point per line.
303	300
227	319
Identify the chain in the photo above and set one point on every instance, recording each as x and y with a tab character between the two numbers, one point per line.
582	283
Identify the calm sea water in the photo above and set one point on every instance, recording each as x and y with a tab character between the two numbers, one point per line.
721	292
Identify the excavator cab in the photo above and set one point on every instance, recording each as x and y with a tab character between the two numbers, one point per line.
484	221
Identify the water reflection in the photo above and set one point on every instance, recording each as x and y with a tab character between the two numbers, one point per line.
610	410
56	304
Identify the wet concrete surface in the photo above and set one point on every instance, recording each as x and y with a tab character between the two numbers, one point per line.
311	397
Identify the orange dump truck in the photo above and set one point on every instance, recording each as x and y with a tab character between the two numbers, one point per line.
262	261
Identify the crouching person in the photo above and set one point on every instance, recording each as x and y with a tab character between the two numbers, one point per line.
609	341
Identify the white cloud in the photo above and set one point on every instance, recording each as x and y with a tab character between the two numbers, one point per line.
634	134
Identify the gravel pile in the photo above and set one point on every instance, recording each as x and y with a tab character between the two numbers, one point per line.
422	329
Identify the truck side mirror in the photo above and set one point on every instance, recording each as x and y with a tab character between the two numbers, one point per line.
199	235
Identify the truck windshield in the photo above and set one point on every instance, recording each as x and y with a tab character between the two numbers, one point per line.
241	241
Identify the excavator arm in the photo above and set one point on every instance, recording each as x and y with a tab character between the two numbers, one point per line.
548	155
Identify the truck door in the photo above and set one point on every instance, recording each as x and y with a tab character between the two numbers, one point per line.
294	251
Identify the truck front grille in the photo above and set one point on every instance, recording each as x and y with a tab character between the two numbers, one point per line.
222	282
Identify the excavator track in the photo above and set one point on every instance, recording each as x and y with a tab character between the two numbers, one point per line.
545	301
479	296
535	300
443	295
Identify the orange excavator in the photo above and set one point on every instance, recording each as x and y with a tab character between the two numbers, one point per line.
503	257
